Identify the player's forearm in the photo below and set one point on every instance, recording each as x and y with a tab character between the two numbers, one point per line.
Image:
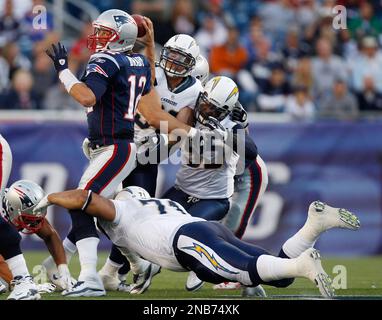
150	107
71	200
77	89
54	245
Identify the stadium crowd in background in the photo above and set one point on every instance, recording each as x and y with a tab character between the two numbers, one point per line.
285	55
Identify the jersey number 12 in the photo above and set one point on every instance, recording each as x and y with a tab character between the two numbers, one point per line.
134	97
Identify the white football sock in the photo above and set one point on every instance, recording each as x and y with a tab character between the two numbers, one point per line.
110	268
70	249
18	266
87	251
298	243
137	264
50	265
274	268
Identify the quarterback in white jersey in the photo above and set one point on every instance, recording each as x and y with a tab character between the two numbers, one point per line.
162	232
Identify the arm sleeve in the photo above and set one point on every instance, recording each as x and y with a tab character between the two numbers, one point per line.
98	73
147	87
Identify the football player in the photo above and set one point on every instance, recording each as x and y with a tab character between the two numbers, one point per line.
115	80
178	92
18	203
161	230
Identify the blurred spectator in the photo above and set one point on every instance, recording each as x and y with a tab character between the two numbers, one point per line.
230	57
260	68
20	95
57	98
212	33
369	99
44	75
367	64
294	49
341	104
326	68
14	59
299	105
347	47
275	91
80	54
303	75
159	12
252	39
9	24
276	15
307	13
4	74
367	23
183	17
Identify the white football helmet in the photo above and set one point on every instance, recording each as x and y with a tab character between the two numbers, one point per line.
217	100
18	203
132	193
121	31
178	56
201	70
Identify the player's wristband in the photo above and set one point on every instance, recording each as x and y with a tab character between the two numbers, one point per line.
88	200
68	79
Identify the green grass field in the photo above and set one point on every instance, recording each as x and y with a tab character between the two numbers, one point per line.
364	281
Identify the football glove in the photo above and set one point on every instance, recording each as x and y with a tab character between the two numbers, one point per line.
63	280
239	115
42	205
59	55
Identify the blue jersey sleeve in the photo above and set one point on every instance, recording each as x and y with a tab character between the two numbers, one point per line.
147	87
100	69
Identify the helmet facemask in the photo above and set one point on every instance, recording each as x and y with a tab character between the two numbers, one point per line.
205	108
176	63
28	223
101	38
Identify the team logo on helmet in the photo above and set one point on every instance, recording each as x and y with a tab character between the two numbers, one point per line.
25	200
120	20
233	92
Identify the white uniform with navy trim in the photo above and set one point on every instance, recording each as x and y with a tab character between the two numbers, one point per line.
140	227
185	95
204	183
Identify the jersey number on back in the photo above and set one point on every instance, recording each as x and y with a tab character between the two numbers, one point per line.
162	207
136	90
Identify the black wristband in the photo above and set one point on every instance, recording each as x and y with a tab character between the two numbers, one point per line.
88	199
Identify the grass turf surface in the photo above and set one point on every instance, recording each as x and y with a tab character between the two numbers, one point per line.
364	281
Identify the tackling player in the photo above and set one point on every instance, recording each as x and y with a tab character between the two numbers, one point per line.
161	231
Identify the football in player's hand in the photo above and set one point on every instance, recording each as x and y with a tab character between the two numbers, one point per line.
141	29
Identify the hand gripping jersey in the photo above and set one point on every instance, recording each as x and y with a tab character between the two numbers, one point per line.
208	181
185	95
118	81
147	227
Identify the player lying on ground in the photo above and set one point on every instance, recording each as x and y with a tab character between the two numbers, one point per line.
17	205
161	231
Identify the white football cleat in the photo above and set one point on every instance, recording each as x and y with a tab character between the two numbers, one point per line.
323	217
24	288
309	266
124	287
91	287
193	282
227	286
46	287
257	291
142	281
110	283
